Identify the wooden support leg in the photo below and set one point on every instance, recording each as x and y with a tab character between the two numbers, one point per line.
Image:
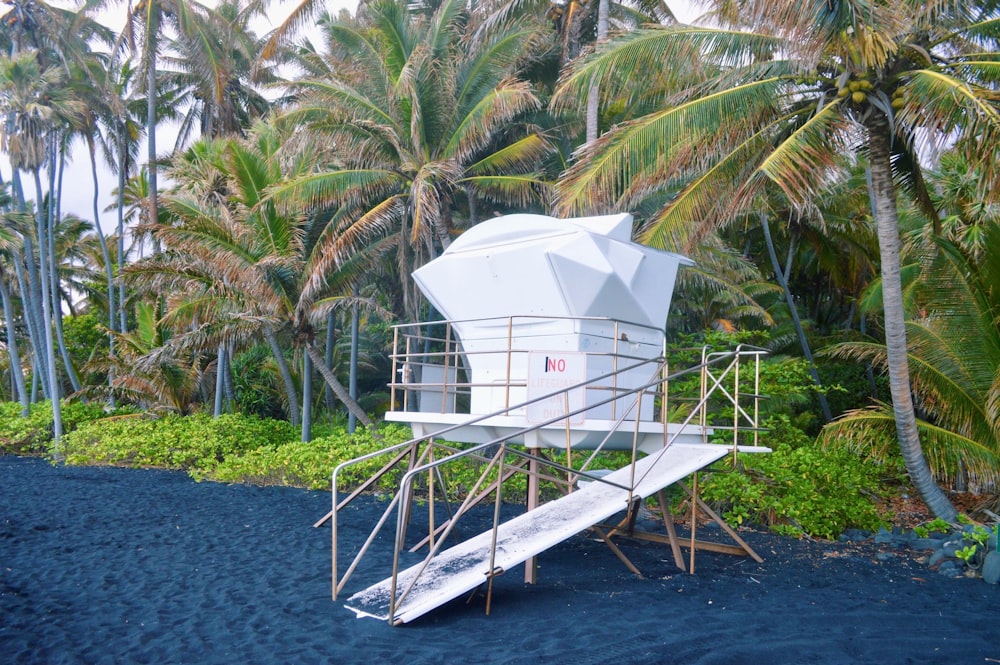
668	523
531	565
489	587
722	523
694	521
618	553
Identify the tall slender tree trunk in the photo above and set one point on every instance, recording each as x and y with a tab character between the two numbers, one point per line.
50	351
31	291
109	273
227	384
153	203
306	398
291	394
220	380
884	197
782	278
15	357
122	157
53	219
594	94
331	336
352	388
27	309
338	388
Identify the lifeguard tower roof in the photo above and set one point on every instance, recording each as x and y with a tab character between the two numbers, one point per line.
542	266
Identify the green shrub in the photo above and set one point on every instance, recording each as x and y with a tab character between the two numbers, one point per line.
174	442
309	464
799	488
33	435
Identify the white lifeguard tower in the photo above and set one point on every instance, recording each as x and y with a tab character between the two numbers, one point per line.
552	337
533	306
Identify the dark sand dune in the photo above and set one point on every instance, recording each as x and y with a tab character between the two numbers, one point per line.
127	566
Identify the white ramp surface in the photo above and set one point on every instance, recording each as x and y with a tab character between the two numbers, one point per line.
464	567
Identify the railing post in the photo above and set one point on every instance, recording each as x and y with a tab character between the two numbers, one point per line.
395	365
496	527
736	399
406	370
447	364
756	397
510	342
702	402
614	370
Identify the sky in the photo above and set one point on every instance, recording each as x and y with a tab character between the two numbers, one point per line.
78	190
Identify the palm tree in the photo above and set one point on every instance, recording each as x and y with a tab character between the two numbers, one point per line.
215	66
421	126
144	374
575	25
17	225
954	187
10	254
35	103
149	19
954	352
240	269
786	93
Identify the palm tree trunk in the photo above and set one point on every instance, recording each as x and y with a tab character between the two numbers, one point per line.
328	356
151	166
50	351
15	357
220	379
31	299
790	301
884	196
27	308
291	394
352	388
306	398
123	324
109	274
227	385
593	95
338	388
74	380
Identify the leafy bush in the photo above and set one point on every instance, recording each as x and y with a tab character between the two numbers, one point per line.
799	488
33	435
173	442
86	341
309	464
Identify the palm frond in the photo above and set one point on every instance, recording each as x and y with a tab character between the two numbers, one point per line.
671	54
806	162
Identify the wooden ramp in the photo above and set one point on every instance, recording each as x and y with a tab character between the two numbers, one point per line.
464	567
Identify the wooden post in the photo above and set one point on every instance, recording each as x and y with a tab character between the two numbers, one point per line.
694	520
668	523
530	566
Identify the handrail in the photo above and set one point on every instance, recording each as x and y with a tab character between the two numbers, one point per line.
402	499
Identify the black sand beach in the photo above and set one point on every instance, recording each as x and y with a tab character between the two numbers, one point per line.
128	566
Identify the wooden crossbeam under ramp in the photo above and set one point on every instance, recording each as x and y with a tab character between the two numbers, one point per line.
464	567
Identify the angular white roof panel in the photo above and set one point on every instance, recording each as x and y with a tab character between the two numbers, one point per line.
537	265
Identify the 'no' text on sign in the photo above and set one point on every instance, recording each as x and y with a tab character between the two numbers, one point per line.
550	373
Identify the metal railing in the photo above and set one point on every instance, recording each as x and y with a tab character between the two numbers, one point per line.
423	458
418	350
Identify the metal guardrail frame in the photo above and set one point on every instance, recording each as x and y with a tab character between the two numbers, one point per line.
405	360
714	369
